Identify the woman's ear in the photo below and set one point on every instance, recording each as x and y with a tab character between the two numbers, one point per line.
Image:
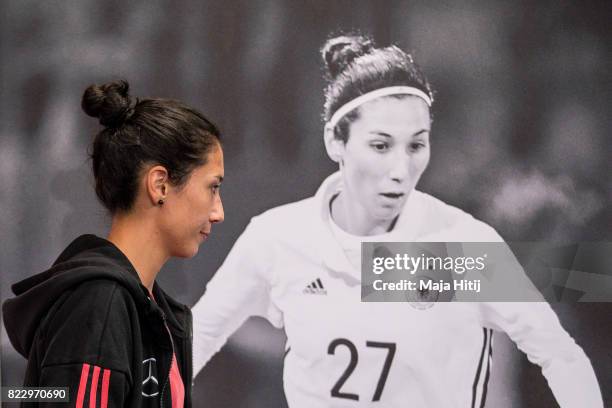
156	181
333	145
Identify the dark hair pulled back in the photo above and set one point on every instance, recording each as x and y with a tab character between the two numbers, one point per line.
139	132
355	66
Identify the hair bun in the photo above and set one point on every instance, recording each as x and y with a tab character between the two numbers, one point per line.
110	103
339	52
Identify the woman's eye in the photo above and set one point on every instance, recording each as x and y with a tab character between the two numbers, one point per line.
215	188
417	146
379	146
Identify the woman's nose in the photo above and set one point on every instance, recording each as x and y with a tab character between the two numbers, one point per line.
398	170
217	214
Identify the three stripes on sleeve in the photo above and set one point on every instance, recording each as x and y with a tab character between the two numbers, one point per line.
93	384
481	381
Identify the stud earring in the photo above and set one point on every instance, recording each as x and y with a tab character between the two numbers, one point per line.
161	200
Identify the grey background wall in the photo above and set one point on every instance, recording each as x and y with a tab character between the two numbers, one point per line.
521	136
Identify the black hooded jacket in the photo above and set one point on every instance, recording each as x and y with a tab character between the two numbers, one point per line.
89	324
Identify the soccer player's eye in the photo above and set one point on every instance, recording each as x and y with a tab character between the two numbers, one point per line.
417	146
379	146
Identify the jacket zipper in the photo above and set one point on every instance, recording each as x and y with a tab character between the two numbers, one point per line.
161	399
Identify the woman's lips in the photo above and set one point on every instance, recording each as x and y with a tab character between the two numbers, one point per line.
392	195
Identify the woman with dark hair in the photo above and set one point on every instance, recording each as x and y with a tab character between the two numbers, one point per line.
298	265
96	321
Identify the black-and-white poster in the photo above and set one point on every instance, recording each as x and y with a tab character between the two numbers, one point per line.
288	133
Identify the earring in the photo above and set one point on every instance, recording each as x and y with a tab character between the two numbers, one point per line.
161	200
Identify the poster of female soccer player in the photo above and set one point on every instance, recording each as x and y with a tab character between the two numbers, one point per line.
497	116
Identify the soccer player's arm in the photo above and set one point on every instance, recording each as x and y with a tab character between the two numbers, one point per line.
86	347
536	330
239	289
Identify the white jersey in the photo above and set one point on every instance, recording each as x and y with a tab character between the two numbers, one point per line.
291	267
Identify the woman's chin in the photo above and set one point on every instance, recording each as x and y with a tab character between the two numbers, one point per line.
385	213
186	251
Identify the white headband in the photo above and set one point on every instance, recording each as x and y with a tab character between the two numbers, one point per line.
360	100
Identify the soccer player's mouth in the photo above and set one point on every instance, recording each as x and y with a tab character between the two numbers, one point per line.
393	196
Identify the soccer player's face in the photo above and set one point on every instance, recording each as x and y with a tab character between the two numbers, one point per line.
192	208
386	154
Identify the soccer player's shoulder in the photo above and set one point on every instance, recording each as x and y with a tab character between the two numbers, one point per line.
445	222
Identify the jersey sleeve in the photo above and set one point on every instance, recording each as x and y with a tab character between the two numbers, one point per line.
536	330
86	347
239	289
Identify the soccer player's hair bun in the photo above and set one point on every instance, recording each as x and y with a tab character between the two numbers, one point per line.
339	52
110	103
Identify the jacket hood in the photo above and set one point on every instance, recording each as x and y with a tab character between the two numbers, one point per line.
87	258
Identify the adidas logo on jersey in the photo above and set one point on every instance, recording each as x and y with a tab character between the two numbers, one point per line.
315	288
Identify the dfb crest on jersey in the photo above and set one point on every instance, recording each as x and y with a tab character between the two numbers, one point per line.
422	299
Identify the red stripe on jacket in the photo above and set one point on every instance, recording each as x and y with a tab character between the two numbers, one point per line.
93	391
82	385
104	393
